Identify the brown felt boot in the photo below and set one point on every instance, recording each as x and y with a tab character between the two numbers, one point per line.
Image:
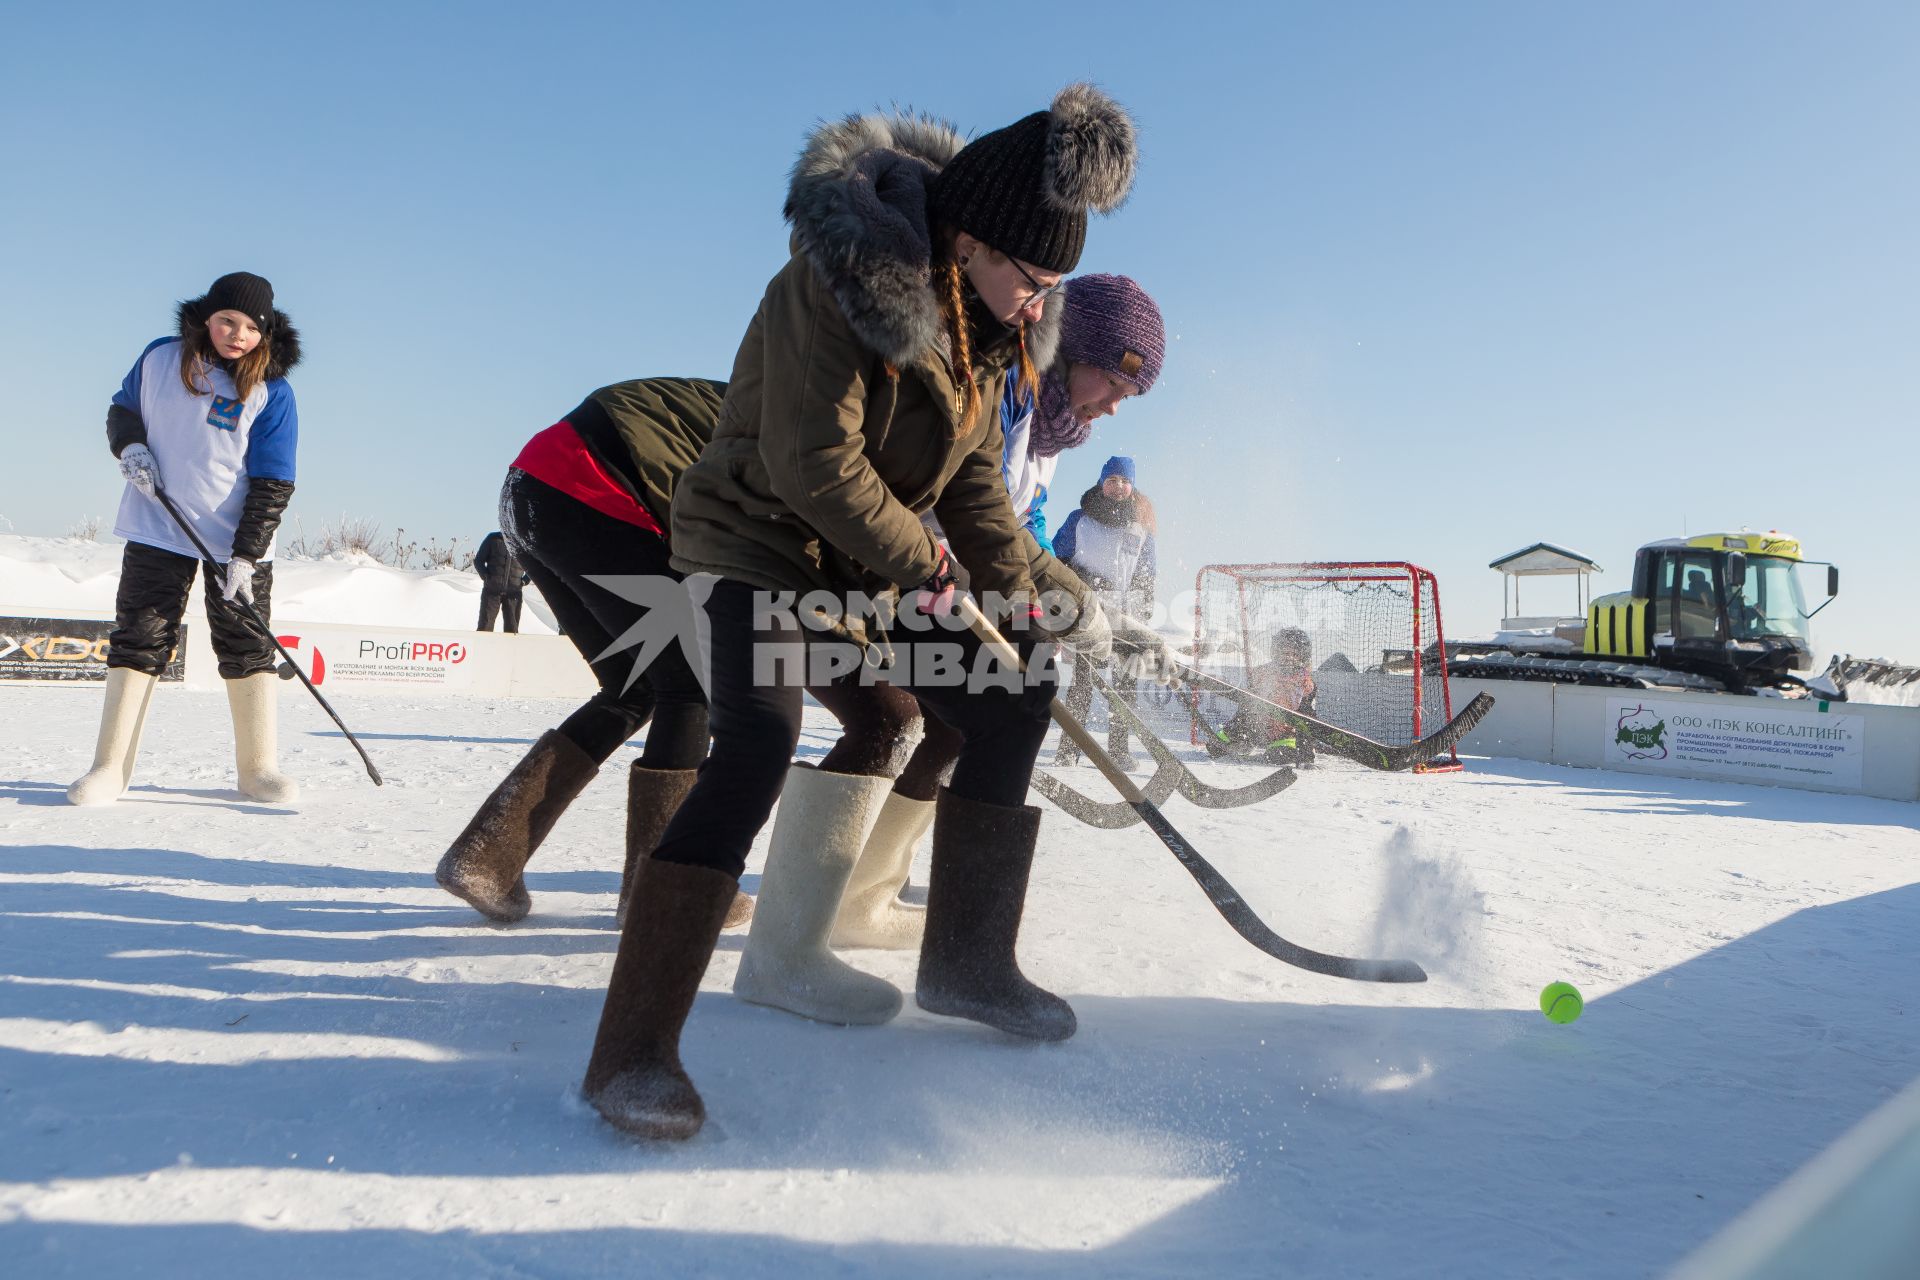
634	1079
981	856
653	797
484	863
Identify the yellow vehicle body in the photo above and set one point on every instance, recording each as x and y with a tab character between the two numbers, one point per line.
1619	625
1623	625
1770	543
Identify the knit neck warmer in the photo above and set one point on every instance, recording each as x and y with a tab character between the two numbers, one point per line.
1109	511
1055	428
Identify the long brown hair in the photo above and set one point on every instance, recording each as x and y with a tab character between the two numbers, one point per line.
953	310
197	354
1029	376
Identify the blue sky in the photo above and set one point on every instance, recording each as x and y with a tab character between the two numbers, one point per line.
1442	279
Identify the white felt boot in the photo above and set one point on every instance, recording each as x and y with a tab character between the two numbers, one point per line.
254	701
129	693
871	913
818	834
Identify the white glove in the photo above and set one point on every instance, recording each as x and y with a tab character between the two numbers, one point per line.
237	582
1140	652
138	465
1090	637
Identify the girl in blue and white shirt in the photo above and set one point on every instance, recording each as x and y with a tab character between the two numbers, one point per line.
206	417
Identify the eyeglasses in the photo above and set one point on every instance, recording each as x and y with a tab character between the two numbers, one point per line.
1041	292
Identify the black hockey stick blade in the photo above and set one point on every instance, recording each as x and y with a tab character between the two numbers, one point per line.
212	567
1197	792
1234	909
1225	898
1354	746
1109	815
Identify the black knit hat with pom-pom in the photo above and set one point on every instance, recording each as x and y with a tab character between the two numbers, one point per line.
1026	189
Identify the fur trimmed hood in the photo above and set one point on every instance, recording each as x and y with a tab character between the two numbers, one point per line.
857	202
285	338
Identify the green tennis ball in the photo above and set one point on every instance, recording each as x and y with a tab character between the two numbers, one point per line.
1561	1002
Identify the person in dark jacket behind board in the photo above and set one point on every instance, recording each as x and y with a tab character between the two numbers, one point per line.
501	579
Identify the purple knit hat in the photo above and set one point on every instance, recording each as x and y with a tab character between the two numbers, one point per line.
1111	323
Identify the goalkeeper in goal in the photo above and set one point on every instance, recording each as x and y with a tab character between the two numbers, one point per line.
1257	732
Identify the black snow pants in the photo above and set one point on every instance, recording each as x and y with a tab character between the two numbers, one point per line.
152	598
504	605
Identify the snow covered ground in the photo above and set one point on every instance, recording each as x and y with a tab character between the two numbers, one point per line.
236	1039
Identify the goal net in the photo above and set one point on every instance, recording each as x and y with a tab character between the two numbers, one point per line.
1368	633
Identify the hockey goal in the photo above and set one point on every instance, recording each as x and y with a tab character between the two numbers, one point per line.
1369	631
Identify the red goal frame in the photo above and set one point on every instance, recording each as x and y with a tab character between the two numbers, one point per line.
1359	571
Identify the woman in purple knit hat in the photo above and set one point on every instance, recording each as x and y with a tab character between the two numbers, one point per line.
1111	343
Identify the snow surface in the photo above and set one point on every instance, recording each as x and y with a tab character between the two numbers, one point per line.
240	1039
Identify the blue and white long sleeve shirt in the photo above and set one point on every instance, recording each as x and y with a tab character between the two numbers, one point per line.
207	447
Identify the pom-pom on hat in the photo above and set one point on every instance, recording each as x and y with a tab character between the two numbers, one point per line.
1026	189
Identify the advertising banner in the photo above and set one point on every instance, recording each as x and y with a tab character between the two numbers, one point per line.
66	649
1749	740
432	662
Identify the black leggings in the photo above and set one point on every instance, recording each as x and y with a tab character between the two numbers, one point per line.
758	684
152	598
560	542
876	721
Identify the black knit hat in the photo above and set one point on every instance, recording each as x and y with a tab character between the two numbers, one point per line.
1026	189
244	292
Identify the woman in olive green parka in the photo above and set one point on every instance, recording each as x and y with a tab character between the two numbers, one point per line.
854	409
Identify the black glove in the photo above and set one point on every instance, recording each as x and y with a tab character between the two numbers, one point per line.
1039	656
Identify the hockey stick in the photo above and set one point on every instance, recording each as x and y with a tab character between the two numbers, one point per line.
1353	746
1109	815
1172	775
1225	898
213	568
1196	792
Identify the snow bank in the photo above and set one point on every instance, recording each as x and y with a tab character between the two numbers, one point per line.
74	577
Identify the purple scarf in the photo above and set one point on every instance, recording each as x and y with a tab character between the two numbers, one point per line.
1055	429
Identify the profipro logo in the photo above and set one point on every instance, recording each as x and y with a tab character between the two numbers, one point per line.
451	652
